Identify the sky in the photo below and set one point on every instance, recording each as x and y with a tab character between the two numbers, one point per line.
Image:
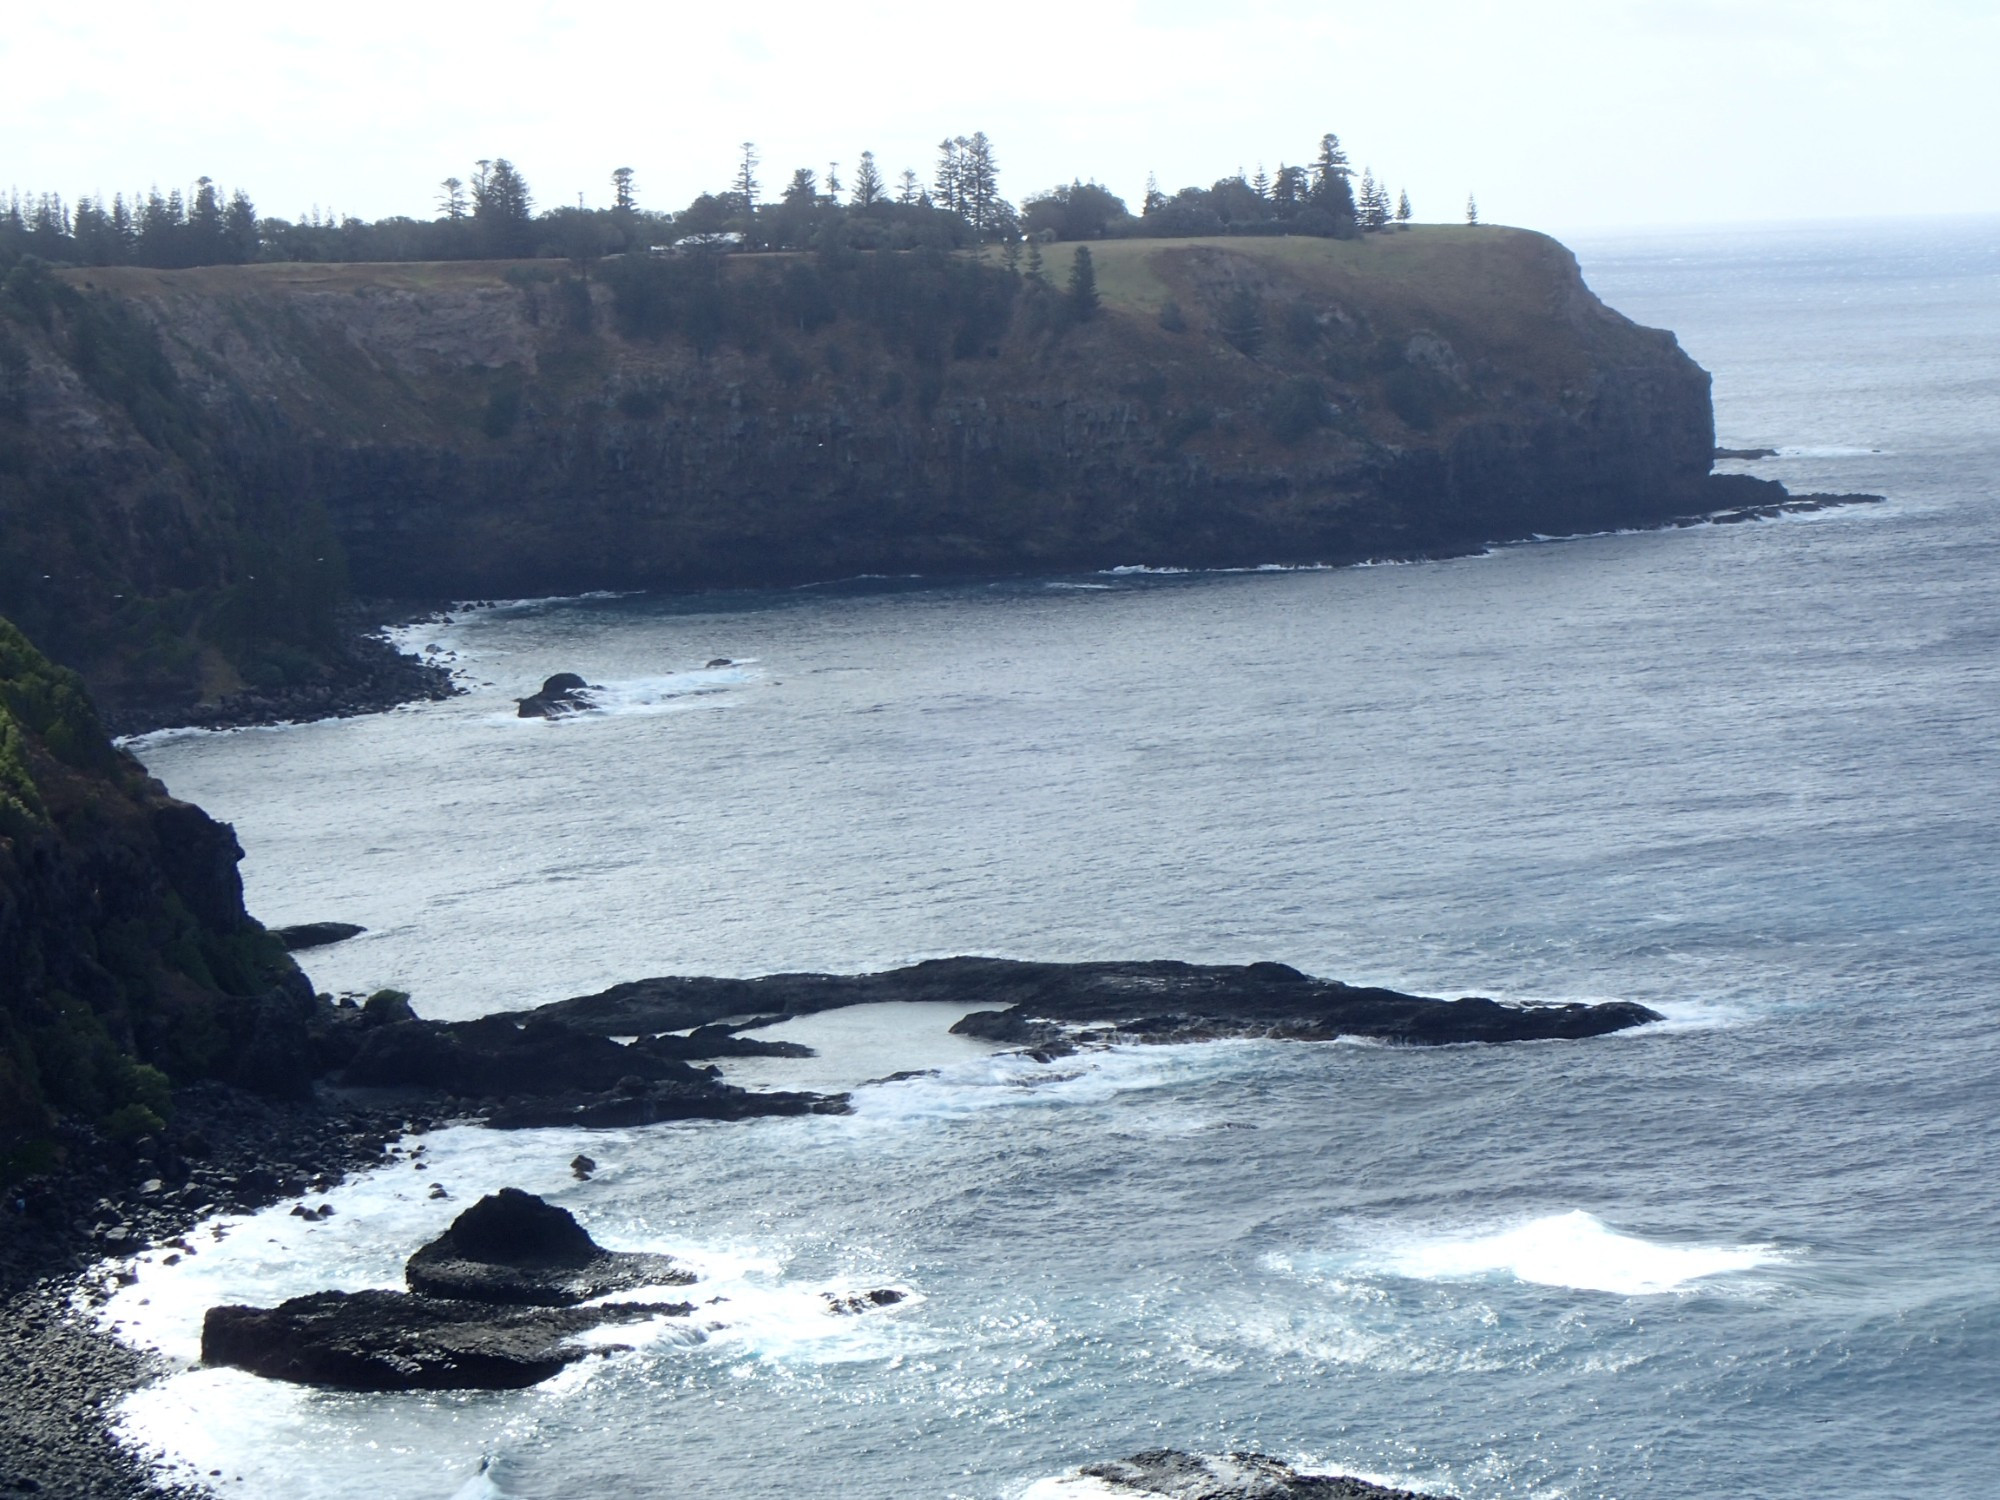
1558	114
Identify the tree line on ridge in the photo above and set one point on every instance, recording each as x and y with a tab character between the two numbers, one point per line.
492	215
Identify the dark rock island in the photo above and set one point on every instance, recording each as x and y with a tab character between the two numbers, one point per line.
304	935
561	695
511	1247
492	1305
1039	1004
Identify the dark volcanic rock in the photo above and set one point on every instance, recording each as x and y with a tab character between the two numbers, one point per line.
305	935
561	695
500	1057
1151	1001
1175	1002
514	1248
1234	1476
654	1104
532	1070
394	1341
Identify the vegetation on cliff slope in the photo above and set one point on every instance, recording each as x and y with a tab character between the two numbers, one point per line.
127	961
146	537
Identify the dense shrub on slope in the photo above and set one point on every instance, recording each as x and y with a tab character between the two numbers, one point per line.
127	961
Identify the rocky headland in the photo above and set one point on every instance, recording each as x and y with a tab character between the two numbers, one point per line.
207	469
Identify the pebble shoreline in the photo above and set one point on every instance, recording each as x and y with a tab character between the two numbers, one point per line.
65	1239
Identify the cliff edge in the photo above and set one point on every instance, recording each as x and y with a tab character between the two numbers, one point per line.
203	465
127	961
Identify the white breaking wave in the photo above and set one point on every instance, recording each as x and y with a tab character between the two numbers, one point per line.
1077	1486
479	1487
1572	1249
1829	452
140	742
1008	1080
750	1311
1692	1015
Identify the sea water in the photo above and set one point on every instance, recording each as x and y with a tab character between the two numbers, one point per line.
1744	774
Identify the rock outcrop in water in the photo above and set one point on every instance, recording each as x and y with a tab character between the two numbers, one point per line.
528	1071
1042	1004
395	1341
303	935
512	1247
1171	1475
565	1063
561	695
204	464
492	1305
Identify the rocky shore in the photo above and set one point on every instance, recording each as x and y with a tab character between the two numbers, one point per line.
494	1303
361	674
382	1072
62	1239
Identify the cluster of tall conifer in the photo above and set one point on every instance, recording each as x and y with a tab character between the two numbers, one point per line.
491	214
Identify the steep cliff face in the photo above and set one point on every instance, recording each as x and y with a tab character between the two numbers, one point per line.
127	961
282	433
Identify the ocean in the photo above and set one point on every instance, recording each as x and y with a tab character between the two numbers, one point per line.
1744	774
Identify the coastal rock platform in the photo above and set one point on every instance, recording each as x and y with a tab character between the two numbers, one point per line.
1038	1005
397	1341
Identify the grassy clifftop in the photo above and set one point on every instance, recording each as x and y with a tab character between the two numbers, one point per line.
203	464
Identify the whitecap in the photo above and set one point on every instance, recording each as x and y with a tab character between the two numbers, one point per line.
1009	1080
1077	1487
1574	1250
479	1487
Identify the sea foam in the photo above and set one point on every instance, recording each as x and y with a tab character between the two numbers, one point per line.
1574	1249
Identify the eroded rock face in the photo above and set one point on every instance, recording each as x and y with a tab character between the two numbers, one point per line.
513	1248
398	1341
1172	1475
